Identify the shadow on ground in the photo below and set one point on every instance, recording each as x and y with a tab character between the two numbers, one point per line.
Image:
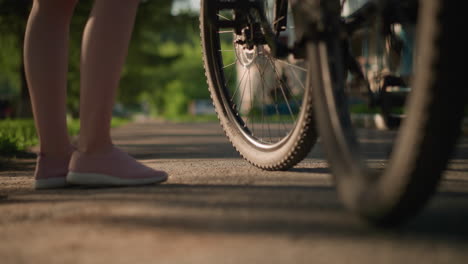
290	210
295	210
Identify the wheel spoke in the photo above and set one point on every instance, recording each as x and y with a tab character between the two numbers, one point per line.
297	79
237	88
229	78
263	100
221	16
230	64
281	95
287	86
282	90
251	104
262	75
294	66
236	70
277	20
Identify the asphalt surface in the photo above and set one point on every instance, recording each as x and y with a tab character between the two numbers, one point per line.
217	208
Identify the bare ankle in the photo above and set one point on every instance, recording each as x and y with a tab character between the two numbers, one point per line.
56	152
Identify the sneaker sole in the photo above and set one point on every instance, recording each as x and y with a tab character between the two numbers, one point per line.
97	179
51	183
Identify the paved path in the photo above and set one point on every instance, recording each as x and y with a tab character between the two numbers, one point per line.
216	208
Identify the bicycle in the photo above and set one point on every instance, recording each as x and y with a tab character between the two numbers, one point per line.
320	43
260	123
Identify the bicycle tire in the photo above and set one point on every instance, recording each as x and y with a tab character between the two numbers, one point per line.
282	155
427	135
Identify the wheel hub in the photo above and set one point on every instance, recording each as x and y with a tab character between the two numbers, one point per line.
246	56
247	45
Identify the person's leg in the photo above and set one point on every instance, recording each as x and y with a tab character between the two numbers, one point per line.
104	49
46	66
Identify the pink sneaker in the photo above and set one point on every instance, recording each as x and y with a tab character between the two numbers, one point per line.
111	168
51	172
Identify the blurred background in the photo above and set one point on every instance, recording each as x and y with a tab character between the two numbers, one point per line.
163	73
163	76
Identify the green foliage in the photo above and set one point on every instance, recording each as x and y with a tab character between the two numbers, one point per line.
9	63
20	134
172	85
180	81
163	70
8	146
175	99
16	136
119	121
363	109
10	55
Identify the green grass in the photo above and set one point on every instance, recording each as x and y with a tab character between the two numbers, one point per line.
18	135
363	109
119	121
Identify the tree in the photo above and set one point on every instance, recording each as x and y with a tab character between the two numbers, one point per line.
164	48
13	17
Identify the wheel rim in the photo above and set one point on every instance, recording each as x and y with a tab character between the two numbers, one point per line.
246	78
387	69
373	190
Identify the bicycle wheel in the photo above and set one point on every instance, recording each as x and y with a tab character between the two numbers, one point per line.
389	194
259	95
